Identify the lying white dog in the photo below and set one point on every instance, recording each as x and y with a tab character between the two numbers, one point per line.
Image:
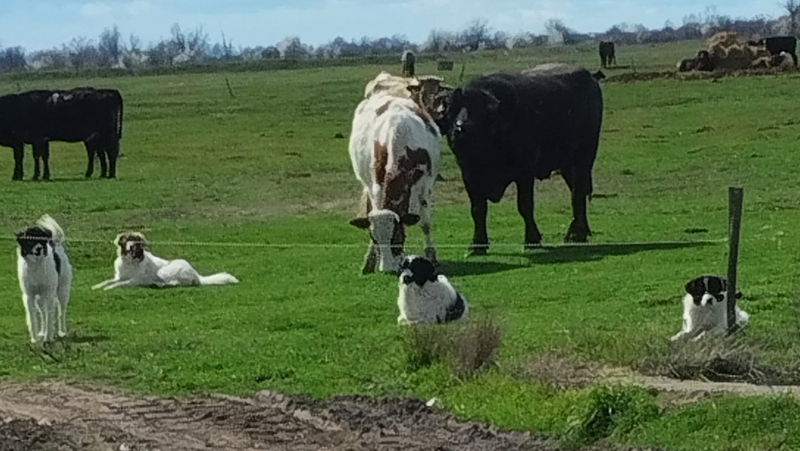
427	297
45	278
705	308
136	266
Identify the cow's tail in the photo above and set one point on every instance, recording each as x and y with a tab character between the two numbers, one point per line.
119	115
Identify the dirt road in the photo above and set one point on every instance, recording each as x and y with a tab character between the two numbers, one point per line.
60	417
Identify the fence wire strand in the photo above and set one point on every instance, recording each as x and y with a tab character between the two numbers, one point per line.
267	245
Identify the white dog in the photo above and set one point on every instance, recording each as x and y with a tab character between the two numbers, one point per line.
427	297
705	308
136	266
45	278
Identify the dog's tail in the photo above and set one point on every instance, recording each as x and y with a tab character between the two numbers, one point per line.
50	224
222	278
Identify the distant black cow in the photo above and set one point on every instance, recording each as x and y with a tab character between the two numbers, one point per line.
93	116
777	44
409	61
506	128
607	54
701	62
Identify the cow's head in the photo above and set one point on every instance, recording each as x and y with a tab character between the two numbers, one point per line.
470	117
430	93
387	230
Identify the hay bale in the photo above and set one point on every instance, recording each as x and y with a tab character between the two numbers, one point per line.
761	63
735	57
722	40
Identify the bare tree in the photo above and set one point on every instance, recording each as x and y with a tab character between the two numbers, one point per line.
12	59
82	53
54	59
793	8
476	35
293	49
110	47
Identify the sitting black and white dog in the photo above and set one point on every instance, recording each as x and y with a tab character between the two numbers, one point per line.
705	308
45	278
426	296
136	266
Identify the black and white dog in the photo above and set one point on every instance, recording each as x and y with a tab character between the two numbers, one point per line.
137	266
45	278
426	296
705	308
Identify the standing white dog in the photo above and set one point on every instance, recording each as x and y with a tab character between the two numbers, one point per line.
705	308
427	297
45	278
136	266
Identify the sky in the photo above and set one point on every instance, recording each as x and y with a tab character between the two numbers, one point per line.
42	24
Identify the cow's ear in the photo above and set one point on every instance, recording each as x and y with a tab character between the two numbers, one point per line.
456	95
361	223
410	219
492	102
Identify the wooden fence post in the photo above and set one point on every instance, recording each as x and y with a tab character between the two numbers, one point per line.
735	202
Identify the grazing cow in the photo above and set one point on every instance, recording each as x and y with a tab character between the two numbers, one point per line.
93	116
607	54
506	128
394	149
777	44
783	61
701	62
409	61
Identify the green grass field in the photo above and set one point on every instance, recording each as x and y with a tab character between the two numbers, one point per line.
262	170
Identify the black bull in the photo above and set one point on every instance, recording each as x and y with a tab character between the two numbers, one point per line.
93	116
506	128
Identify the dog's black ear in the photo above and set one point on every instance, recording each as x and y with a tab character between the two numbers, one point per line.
695	286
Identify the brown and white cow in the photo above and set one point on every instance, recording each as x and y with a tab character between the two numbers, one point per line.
427	91
394	149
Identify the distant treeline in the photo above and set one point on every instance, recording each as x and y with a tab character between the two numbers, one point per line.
193	51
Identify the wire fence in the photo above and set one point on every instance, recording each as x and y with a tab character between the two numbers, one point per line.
267	245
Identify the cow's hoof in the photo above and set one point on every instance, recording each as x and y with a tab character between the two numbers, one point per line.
477	250
574	237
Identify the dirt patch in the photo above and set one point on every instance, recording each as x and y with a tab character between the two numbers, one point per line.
629	77
561	371
57	416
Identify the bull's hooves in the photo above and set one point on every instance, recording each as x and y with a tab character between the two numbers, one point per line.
16	179
576	239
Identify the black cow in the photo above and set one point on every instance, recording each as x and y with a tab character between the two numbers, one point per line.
506	128
607	53
409	61
93	116
777	44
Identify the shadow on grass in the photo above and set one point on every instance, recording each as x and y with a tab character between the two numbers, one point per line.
87	339
547	255
473	267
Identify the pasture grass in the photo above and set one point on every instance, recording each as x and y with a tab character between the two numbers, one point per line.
264	170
